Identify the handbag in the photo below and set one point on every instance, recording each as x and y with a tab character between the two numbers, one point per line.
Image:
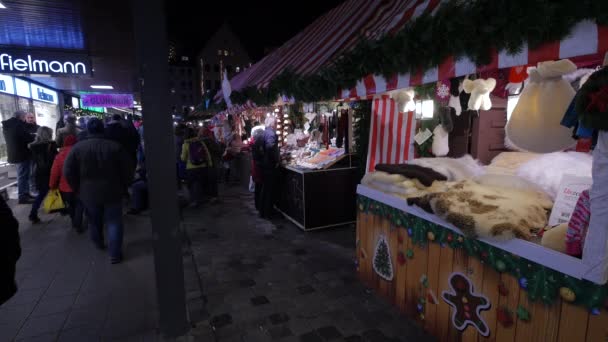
53	201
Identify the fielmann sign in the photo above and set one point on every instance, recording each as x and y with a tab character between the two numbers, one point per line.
44	62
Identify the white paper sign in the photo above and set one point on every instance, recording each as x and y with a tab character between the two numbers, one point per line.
570	189
423	136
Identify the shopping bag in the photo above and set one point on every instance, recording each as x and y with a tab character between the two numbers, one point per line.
53	201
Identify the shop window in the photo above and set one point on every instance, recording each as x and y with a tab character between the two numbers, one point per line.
219	52
511	103
216	68
207	67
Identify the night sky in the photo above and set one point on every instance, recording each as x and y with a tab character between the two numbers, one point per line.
259	24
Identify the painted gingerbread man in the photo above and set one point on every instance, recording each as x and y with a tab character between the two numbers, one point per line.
467	304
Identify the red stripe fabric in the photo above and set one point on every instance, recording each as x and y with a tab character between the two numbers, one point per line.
382	132
370	85
392	82
416	78
373	142
447	69
493	65
391	120
400	137
408	136
545	52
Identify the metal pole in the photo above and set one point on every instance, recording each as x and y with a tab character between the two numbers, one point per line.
152	49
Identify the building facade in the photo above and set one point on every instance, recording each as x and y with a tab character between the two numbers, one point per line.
183	83
223	51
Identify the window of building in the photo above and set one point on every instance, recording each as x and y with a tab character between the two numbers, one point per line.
226	53
229	68
207	67
207	84
216	68
219	52
238	69
218	84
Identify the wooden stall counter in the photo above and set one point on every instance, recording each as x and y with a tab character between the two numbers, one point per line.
462	289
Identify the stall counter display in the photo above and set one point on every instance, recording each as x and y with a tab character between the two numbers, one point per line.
511	290
311	158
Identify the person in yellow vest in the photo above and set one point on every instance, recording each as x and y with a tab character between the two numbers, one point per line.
198	160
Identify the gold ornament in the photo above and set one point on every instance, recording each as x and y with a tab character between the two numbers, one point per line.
465	300
430	236
567	294
460	239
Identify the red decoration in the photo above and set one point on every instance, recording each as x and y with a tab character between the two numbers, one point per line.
504	317
450	237
518	74
503	290
401	258
598	100
583	145
400	239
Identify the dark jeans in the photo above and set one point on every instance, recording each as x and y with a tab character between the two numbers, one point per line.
196	178
111	215
139	195
23	179
75	209
38	200
258	196
268	188
210	186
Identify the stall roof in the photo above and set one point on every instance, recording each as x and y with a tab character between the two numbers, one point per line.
340	29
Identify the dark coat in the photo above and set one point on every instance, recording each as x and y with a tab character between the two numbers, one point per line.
99	170
126	136
43	155
17	137
10	251
68	129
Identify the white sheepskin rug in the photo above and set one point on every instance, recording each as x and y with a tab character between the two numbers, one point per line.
547	170
455	169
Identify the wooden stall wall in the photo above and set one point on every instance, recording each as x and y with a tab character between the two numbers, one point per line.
561	321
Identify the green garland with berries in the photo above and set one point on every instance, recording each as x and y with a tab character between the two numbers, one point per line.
457	28
540	282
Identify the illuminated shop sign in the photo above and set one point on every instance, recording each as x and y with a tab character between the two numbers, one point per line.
44	94
108	100
6	84
42	62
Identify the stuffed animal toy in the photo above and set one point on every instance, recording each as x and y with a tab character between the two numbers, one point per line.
480	90
441	144
405	100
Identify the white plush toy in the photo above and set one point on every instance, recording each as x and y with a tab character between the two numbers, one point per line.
441	145
480	93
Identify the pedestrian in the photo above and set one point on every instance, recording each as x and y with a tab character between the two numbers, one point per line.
44	150
124	133
17	138
269	168
58	181
139	188
99	170
32	128
70	128
10	251
257	161
179	135
210	186
197	158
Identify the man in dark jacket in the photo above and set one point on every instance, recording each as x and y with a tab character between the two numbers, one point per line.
17	138
124	133
10	251
100	171
269	168
70	128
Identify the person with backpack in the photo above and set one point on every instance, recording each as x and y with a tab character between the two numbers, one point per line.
198	159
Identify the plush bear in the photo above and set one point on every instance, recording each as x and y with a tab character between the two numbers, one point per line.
480	90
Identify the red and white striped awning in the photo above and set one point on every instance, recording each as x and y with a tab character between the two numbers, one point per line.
340	29
586	41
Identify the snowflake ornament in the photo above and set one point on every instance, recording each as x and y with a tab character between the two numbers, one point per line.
443	91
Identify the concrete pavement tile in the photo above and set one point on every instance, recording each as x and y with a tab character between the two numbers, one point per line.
8	331
78	335
51	305
24	297
15	315
92	318
41	325
52	337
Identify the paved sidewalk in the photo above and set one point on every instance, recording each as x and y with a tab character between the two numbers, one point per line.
69	291
268	281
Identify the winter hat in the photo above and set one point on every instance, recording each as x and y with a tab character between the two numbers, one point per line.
95	126
69	140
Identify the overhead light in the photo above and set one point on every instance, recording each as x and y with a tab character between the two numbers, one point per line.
97	86
2	6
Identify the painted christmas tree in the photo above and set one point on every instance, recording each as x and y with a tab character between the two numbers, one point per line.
382	260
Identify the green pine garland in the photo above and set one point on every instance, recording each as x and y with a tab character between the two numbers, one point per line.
362	114
541	283
458	28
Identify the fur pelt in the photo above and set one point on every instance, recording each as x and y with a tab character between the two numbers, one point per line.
548	169
393	184
486	211
515	182
555	238
480	90
455	169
